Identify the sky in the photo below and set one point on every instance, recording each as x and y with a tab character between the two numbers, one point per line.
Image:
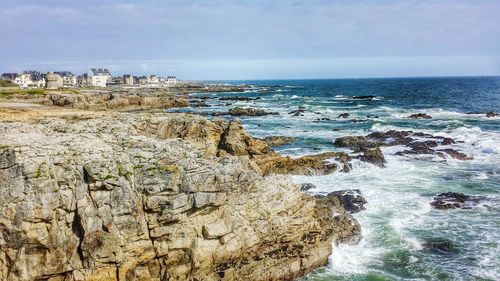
260	39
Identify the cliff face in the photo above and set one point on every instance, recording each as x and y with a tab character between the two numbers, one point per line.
152	197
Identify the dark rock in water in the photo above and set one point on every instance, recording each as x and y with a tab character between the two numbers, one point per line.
455	200
420	116
325	119
372	116
492	114
358	120
239	98
440	247
238	111
277	140
344	115
299	112
456	154
368	97
307	186
447	141
350	200
335	129
374	156
353	142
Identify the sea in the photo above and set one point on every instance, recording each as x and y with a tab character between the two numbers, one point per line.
398	220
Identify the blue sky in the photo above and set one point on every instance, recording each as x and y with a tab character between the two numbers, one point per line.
243	39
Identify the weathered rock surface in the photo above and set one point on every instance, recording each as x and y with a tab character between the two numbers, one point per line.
123	100
455	200
346	201
278	140
373	156
145	197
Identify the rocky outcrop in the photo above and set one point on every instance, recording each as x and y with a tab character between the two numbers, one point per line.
238	98
455	200
278	140
373	156
239	111
420	116
417	142
346	201
122	100
145	197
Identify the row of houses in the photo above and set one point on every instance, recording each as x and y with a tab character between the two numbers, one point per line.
97	77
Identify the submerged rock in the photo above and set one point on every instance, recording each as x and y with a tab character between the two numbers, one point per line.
492	114
277	140
420	116
367	97
455	200
440	247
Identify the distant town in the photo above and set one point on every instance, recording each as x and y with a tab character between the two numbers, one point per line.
97	77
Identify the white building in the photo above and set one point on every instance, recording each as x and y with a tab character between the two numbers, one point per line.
153	81
23	80
100	77
171	80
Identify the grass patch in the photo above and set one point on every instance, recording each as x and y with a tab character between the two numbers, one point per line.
7	83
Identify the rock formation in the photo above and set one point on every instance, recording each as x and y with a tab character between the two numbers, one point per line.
144	196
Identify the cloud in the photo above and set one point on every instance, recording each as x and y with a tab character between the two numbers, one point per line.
242	30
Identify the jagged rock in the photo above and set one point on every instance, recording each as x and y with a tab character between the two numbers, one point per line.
239	111
420	116
307	186
143	196
278	140
492	114
344	115
236	142
346	201
413	140
374	156
456	154
455	200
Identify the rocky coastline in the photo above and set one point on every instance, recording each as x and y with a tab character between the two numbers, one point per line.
89	192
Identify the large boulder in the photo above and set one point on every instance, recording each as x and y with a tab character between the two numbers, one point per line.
374	156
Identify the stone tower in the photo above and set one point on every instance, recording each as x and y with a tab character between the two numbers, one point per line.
51	81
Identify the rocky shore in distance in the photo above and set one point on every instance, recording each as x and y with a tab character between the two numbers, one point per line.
144	195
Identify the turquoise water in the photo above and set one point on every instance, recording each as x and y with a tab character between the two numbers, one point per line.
399	219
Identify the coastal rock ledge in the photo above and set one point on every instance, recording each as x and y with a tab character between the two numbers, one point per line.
112	197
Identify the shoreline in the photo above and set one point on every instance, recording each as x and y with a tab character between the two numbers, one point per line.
114	195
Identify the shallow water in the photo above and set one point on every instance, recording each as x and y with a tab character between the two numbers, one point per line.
399	218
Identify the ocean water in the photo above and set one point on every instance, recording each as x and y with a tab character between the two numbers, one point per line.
398	219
